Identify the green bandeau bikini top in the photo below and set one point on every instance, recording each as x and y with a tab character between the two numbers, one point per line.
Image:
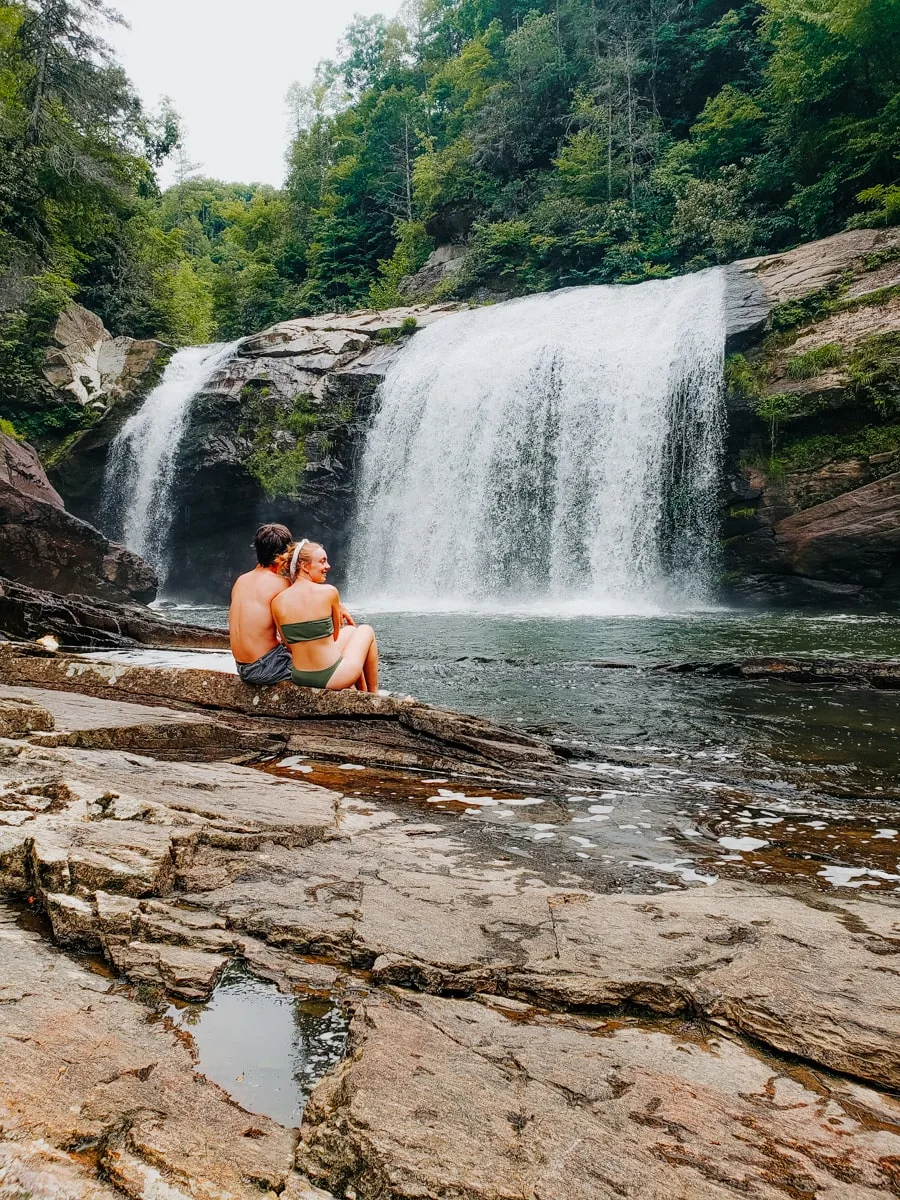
307	631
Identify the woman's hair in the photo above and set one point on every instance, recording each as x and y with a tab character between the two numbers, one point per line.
270	541
290	555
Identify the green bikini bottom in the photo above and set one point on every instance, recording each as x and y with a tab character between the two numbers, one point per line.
315	679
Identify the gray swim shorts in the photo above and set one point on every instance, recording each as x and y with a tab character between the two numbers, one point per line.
271	668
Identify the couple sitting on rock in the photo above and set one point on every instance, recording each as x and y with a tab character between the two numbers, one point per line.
286	622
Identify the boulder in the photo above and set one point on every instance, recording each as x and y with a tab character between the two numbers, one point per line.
847	547
442	264
812	422
854	538
86	361
42	545
86	622
757	285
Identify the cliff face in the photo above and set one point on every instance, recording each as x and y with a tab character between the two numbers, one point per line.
810	512
813	512
44	546
275	437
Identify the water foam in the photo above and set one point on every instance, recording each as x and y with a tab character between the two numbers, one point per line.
564	446
140	467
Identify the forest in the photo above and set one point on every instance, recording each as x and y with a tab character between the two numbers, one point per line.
561	141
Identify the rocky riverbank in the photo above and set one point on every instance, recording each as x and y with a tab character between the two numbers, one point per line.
518	1027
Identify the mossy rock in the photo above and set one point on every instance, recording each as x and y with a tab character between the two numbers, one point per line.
288	435
874	370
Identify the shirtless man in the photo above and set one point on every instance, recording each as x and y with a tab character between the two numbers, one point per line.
260	655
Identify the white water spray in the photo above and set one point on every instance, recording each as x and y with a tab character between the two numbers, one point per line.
562	447
140	468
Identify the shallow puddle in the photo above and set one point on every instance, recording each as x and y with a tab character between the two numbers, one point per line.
268	1050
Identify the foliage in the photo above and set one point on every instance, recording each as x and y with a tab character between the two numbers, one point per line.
791	314
806	453
413	247
279	434
815	360
741	379
875	372
882	203
9	430
77	200
780	406
562	141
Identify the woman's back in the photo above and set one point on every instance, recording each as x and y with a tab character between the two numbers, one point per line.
305	615
327	649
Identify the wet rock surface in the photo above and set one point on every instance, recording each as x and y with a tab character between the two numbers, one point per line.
813	442
878	674
95	1101
453	1098
520	1029
84	621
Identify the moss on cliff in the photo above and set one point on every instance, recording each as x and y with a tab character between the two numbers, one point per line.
812	362
807	453
281	433
875	372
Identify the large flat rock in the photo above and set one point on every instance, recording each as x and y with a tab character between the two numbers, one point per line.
429	914
277	860
756	285
518	1033
389	729
442	1098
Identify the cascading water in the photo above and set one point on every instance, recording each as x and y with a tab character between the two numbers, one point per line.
140	468
564	446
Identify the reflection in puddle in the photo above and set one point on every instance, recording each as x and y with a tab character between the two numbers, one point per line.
266	1049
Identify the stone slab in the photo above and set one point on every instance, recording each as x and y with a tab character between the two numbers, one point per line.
808	978
443	1098
90	1090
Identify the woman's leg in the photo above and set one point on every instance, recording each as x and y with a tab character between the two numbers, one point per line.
355	657
344	636
370	667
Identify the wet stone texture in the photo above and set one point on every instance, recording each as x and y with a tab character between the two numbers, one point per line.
453	1098
518	1030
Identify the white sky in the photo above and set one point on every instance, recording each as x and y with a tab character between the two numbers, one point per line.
227	64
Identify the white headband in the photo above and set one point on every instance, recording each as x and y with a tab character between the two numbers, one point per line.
295	558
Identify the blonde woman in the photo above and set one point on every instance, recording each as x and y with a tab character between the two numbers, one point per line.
326	652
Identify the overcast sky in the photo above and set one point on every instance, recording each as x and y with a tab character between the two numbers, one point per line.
227	65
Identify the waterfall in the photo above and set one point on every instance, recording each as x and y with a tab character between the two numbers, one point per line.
563	447
140	467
